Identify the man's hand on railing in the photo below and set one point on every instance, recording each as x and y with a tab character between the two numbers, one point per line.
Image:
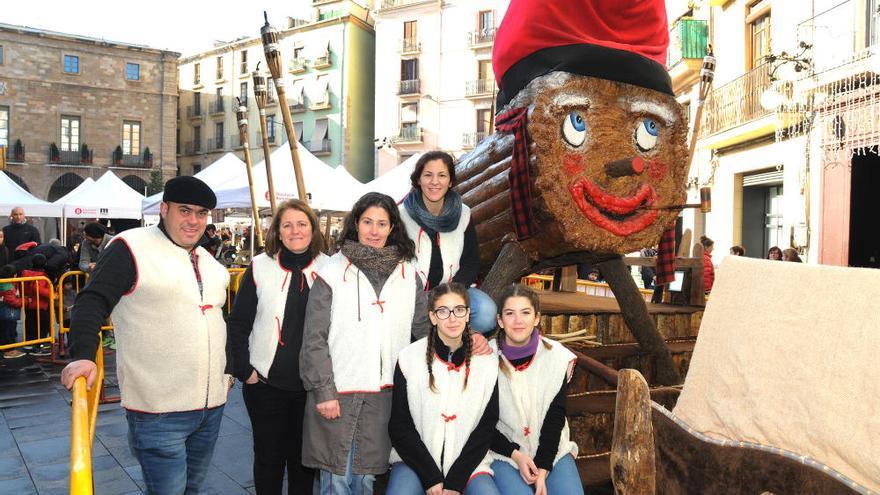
76	369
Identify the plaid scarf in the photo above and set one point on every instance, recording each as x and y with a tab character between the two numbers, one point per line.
666	258
516	122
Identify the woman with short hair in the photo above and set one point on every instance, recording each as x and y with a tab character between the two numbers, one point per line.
265	331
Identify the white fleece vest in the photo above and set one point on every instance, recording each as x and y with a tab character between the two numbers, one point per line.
273	283
171	341
451	244
367	331
524	398
446	418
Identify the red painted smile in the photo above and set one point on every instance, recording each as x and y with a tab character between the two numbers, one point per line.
619	215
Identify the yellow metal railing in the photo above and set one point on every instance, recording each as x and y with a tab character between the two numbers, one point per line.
545	282
29	287
84	416
232	289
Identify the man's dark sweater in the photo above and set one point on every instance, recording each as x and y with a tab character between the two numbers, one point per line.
16	234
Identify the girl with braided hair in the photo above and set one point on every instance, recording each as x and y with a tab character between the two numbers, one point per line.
444	407
532	444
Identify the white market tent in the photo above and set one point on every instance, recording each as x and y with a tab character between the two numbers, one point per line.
13	195
328	188
78	189
108	197
395	182
225	170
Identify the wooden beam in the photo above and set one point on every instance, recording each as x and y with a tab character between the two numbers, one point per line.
633	458
604	401
594	469
620	351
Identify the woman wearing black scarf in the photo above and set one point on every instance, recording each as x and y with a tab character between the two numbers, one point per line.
446	241
366	305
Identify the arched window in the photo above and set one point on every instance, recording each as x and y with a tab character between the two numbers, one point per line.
63	185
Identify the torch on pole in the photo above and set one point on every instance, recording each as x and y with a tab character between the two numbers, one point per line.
241	114
261	97
273	60
707	75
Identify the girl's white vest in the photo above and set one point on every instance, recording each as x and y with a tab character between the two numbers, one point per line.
524	398
451	244
171	340
367	331
273	283
446	418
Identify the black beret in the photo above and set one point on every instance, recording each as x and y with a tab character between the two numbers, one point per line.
190	191
94	229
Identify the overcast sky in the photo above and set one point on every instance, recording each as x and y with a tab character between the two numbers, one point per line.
185	26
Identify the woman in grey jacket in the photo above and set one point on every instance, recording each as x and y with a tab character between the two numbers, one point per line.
366	305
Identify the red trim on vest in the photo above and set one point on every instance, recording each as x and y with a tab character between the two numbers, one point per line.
419	241
344	272
284	282
478	473
526	431
278	325
206	307
525	365
448	418
380	304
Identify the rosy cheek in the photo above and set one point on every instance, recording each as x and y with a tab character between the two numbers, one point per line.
657	170
572	164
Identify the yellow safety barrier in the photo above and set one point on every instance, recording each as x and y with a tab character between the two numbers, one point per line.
234	279
84	416
78	279
28	287
545	282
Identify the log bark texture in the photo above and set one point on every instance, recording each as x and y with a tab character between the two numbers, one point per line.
633	468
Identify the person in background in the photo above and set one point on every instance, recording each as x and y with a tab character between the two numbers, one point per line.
708	267
774	253
648	273
10	312
19	231
211	241
265	338
439	224
532	448
791	254
738	251
445	406
37	298
95	240
366	305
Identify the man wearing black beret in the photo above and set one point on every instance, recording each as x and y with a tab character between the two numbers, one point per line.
165	295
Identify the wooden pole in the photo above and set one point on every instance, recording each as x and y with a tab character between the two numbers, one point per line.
243	132
273	60
707	75
261	97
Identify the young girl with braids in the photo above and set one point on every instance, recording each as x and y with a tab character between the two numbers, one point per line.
532	444
444	407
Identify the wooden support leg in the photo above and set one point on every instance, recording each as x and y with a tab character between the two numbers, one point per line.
635	314
510	265
633	469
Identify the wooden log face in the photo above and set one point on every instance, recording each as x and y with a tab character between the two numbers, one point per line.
603	150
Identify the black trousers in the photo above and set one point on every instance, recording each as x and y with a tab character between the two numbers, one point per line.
29	328
277	422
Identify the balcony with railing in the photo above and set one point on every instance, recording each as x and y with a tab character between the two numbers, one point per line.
481	37
192	148
298	106
319	149
82	156
194	111
480	88
409	133
218	106
409	87
15	153
737	102
471	139
322	62
136	160
396	4
216	143
297	65
688	40
409	46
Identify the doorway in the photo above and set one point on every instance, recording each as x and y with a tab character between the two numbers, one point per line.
762	213
864	236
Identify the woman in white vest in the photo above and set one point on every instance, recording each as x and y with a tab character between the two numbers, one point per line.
445	406
532	445
366	305
446	241
265	337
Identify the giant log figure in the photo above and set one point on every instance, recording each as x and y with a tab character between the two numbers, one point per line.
589	159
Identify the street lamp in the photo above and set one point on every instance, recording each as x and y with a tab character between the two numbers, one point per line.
771	99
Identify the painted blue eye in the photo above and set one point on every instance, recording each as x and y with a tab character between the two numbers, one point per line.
574	129
647	132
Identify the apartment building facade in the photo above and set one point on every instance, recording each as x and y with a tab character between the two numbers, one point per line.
328	81
789	137
72	107
435	87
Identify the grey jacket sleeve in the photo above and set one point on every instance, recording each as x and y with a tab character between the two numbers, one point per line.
420	323
315	366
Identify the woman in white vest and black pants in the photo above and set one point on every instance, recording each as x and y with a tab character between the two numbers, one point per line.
532	445
366	306
445	406
446	241
265	337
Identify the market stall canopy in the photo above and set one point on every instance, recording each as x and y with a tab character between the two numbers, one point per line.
108	197
12	195
328	188
78	189
228	168
395	182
